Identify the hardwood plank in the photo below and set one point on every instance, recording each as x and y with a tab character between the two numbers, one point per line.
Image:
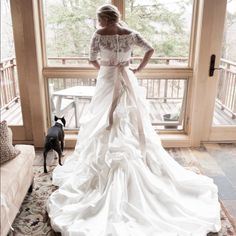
222	117
157	109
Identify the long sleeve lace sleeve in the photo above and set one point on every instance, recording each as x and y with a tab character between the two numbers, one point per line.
141	42
94	47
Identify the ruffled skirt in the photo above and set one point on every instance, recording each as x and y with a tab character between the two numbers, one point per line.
108	188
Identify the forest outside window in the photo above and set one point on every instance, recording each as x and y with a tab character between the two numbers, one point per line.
166	24
69	25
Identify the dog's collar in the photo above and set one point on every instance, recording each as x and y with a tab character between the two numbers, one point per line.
60	122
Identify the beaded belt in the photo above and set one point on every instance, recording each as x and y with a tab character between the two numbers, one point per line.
123	79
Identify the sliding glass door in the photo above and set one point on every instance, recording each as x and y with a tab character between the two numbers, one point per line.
223	125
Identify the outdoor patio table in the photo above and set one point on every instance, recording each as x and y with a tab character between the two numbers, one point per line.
79	95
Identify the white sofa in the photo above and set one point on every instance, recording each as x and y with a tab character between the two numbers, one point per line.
16	180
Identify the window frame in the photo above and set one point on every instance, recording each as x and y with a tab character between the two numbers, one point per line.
158	71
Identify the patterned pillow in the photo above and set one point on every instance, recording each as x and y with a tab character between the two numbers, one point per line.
7	151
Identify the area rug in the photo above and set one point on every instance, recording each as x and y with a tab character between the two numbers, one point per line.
32	218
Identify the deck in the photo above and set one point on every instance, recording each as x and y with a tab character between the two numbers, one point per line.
221	117
164	95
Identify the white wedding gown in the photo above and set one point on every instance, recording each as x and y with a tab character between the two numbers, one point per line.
120	181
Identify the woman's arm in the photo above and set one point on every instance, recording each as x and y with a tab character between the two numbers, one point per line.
95	64
144	61
93	51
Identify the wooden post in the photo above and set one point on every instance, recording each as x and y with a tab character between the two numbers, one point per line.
121	7
26	30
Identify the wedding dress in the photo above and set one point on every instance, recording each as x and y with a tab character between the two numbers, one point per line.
120	181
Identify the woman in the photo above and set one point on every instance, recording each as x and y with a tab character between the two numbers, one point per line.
120	181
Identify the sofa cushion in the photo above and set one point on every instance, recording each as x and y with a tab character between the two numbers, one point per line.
7	151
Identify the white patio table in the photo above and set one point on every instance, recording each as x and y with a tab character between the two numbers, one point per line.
77	96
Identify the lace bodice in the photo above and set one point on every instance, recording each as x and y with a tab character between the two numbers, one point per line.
116	47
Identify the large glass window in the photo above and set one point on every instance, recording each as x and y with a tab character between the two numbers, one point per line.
68	29
167	98
225	104
70	97
164	23
10	95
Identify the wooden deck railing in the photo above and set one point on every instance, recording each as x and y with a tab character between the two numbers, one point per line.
84	60
155	88
226	94
8	83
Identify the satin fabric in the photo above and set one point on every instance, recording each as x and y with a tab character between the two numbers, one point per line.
107	187
123	80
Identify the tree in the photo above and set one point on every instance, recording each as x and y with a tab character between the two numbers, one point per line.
70	24
161	24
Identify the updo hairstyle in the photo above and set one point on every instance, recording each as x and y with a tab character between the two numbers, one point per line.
110	12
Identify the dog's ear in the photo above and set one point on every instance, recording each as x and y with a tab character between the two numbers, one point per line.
55	118
63	120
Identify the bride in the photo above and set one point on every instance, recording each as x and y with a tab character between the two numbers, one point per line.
120	181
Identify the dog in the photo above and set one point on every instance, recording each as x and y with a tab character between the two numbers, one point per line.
55	139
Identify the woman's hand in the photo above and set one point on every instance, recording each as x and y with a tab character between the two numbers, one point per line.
144	61
95	64
134	70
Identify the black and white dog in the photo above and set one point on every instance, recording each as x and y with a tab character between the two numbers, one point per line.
55	139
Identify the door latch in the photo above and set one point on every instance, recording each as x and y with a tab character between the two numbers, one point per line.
212	65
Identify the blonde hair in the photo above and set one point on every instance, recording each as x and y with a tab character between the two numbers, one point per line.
110	12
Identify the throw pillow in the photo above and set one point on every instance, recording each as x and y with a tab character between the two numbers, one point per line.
7	151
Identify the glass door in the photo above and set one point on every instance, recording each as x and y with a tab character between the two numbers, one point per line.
10	94
224	118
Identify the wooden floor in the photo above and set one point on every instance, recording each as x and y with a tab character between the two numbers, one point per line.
13	114
158	109
217	161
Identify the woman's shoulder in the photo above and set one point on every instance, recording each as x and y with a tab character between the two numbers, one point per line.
99	31
120	31
125	31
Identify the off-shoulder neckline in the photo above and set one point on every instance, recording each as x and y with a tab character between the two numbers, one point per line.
110	35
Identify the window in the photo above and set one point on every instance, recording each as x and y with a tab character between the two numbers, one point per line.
70	97
68	29
166	99
164	23
225	103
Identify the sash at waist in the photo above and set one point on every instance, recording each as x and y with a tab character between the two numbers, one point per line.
118	64
123	79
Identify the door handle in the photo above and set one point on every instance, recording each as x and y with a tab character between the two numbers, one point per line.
212	65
